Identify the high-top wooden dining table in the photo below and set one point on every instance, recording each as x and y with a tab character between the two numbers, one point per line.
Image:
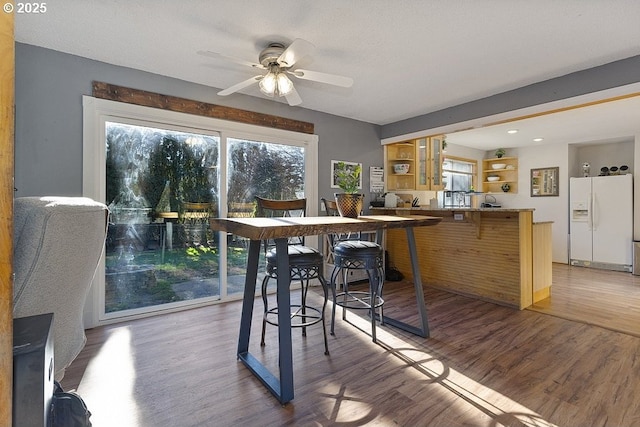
280	229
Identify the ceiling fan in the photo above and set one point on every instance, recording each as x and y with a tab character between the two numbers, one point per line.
278	62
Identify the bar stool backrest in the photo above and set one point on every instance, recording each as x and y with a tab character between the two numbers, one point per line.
331	209
269	208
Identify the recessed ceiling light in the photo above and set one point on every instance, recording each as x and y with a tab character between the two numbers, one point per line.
512	131
538	139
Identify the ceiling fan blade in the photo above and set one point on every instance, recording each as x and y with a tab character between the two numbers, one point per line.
332	79
293	98
298	49
240	86
230	58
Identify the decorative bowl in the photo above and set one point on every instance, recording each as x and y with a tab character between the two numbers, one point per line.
498	165
401	168
493	178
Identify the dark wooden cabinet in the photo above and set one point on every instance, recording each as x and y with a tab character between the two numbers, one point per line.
33	370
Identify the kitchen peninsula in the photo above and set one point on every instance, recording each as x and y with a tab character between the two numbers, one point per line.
494	254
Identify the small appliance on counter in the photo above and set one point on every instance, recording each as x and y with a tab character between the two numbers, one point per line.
377	200
393	200
390	200
490	202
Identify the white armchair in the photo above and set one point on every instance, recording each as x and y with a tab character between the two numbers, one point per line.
58	242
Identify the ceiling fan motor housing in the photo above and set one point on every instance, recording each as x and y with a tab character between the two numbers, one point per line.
271	54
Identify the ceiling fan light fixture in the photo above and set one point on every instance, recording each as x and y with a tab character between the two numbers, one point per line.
268	84
284	84
275	82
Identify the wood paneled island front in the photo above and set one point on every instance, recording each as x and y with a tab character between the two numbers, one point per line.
495	254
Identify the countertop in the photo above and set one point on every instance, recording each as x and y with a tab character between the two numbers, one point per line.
427	208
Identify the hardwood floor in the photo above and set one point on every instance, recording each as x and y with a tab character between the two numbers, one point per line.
609	299
484	365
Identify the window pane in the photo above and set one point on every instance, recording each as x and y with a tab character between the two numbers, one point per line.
458	174
459	177
272	171
457	166
162	187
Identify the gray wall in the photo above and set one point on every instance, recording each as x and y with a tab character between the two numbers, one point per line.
49	86
48	147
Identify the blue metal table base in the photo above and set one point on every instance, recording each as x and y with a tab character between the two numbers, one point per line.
423	329
282	386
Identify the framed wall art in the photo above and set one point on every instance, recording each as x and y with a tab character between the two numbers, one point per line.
334	175
544	182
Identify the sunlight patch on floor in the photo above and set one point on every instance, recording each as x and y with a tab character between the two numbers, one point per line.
120	409
462	394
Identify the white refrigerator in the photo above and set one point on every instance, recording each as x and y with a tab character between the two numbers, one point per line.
601	216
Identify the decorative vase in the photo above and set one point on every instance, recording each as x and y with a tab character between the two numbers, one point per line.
506	187
349	205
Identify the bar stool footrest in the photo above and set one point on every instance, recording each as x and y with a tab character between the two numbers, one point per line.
298	320
357	300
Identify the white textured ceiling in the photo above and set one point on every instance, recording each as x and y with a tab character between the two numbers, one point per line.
407	57
612	121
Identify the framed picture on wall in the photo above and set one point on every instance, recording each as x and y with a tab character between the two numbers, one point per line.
334	175
544	182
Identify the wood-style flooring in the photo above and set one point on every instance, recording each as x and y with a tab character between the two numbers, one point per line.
610	299
484	365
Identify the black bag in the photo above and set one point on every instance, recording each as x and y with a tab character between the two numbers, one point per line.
391	274
68	409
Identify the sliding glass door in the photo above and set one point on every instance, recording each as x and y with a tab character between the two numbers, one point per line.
163	175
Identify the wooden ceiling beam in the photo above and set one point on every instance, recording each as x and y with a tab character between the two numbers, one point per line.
182	105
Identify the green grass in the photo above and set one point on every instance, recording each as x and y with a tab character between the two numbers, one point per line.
178	266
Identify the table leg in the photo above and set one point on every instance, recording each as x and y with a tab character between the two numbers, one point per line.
284	322
423	330
249	296
281	387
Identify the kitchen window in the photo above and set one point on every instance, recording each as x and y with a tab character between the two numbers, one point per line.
460	178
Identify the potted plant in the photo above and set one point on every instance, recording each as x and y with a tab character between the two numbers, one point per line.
500	152
347	177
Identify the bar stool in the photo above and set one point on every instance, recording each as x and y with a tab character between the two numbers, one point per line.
350	253
305	264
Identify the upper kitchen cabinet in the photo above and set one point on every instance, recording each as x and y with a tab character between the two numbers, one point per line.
429	155
500	175
414	165
399	160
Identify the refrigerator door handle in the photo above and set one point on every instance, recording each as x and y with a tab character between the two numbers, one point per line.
590	213
594	213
